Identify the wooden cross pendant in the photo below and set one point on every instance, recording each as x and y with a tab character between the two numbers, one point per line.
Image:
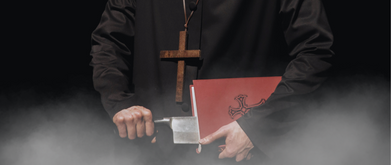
181	54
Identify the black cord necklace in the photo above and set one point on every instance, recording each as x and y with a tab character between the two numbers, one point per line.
193	7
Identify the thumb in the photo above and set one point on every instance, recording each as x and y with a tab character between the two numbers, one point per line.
153	140
222	132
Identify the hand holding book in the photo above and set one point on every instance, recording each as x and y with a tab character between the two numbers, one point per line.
218	103
237	144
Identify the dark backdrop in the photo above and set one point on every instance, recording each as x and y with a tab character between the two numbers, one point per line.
45	77
48	41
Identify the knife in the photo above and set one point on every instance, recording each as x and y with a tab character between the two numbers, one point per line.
185	129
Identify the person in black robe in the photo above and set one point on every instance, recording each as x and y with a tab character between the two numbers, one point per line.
243	38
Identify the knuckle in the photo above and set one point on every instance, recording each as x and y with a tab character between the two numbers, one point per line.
148	116
142	112
118	119
130	109
136	108
147	112
137	115
129	118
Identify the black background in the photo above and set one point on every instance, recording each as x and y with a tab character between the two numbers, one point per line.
46	46
47	41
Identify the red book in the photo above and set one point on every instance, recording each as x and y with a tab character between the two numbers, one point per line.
217	102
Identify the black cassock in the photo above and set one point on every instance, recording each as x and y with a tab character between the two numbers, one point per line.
237	38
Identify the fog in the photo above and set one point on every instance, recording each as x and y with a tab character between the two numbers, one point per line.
349	125
47	128
42	126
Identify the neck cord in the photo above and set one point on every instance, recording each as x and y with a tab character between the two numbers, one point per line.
191	14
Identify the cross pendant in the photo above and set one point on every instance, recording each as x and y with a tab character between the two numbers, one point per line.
181	54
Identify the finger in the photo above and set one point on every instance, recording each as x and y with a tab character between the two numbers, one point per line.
240	156
140	128
198	152
119	121
228	152
221	148
148	120
130	126
153	140
222	132
139	121
249	156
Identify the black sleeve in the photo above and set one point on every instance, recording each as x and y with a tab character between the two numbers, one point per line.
112	48
309	39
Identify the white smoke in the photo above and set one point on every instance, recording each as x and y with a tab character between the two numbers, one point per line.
349	126
63	130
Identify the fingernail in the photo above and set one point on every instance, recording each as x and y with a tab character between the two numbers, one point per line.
202	141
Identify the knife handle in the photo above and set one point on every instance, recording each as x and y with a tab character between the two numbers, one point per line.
163	121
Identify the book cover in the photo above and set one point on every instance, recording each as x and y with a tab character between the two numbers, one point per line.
217	102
